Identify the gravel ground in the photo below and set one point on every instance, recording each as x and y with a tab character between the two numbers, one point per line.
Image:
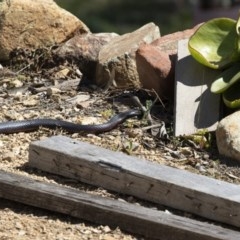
31	97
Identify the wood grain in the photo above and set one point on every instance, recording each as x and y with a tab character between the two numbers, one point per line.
152	224
179	189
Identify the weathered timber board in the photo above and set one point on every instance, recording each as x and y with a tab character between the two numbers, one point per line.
179	189
151	223
195	106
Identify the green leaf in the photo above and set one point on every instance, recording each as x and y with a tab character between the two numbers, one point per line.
215	43
238	32
231	97
238	26
226	79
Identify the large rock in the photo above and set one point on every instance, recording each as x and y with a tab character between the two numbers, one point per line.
228	136
35	23
117	64
156	62
169	43
84	49
155	70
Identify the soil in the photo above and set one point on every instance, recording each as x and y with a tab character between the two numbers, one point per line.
30	90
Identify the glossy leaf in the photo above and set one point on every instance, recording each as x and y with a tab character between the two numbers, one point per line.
226	79
238	26
215	43
231	97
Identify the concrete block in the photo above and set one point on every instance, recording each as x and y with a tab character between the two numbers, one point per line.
195	106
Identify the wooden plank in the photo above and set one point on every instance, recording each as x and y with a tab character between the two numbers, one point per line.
151	223
195	106
179	189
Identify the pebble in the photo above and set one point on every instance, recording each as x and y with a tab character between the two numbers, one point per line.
53	90
18	225
30	102
201	168
8	156
205	156
17	83
106	229
186	151
132	133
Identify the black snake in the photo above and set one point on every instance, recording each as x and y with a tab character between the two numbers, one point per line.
34	124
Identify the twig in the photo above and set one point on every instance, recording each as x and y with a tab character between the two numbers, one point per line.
152	126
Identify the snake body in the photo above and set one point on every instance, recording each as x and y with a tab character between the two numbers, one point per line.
34	124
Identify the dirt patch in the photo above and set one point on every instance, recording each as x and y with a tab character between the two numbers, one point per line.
31	90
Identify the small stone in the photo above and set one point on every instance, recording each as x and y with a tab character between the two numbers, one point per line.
98	231
106	229
21	233
62	74
53	90
84	105
12	115
90	120
186	151
8	157
30	102
132	133
110	137
200	168
78	99
85	231
205	156
17	83
18	225
168	212
93	138
18	96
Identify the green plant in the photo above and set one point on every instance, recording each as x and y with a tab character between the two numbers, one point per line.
202	138
216	44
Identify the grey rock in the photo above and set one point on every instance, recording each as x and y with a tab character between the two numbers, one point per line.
116	61
228	137
85	49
